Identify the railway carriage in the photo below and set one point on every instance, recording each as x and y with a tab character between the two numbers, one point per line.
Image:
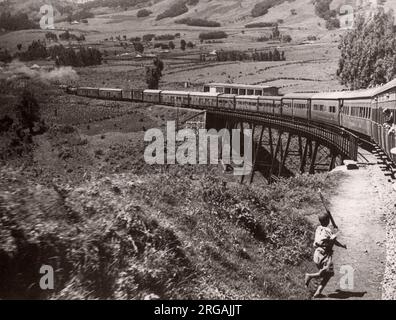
325	107
127	95
113	94
226	101
137	95
88	92
153	96
356	111
385	98
270	105
175	98
247	103
299	103
199	99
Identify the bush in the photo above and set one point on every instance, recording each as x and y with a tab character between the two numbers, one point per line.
175	10
322	9
261	25
198	22
135	39
235	55
143	13
148	37
138	47
18	21
263	39
262	8
183	44
79	58
36	50
286	38
5	56
213	35
332	23
165	37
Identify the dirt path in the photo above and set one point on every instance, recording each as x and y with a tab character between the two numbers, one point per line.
358	210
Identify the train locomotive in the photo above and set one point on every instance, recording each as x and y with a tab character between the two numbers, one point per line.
361	111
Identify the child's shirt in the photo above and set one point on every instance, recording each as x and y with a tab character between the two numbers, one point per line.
323	238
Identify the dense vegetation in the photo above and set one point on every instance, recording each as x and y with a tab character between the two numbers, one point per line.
75	58
368	52
81	15
176	9
262	7
164	37
196	22
36	50
143	13
261	25
19	21
322	9
235	55
125	4
212	35
154	74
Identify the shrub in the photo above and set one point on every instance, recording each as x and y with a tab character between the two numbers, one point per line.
18	21
76	58
286	38
135	39
262	8
138	47
261	25
165	37
148	37
198	22
183	44
333	23
36	50
143	13
263	39
5	56
176	9
213	35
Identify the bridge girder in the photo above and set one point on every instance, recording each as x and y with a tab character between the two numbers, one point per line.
280	147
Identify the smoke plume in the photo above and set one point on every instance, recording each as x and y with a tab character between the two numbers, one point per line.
17	70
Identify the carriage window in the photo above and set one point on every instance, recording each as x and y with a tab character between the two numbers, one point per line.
242	92
258	92
250	92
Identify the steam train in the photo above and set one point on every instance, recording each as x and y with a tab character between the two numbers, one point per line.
361	111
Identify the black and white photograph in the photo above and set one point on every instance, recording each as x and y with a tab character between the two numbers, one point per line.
211	151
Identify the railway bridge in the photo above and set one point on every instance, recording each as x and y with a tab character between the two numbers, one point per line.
284	146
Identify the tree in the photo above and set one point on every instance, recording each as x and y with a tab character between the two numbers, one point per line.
368	52
275	32
28	111
138	47
154	74
190	45
171	45
19	46
183	44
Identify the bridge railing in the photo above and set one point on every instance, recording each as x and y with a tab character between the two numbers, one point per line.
333	137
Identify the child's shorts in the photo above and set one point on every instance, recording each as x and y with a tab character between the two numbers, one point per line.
324	261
